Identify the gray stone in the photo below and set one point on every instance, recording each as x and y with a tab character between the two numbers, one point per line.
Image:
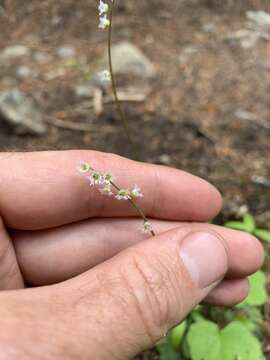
259	19
165	159
85	90
24	72
15	51
245	37
66	52
21	113
188	53
42	58
128	59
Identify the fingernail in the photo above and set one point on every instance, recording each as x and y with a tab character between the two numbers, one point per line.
205	257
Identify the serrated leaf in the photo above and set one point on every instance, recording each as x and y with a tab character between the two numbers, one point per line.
204	341
257	290
249	221
262	234
207	342
239	343
177	334
236	225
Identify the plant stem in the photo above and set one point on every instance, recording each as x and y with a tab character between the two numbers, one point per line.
136	207
132	202
117	102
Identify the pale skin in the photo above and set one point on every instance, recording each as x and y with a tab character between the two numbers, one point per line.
97	287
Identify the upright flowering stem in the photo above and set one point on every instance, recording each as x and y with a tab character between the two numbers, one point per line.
114	88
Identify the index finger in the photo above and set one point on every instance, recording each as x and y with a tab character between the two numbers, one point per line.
45	189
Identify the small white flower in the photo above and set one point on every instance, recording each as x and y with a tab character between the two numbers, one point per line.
147	227
103	7
136	192
106	190
108	178
104	75
96	178
123	195
84	167
104	22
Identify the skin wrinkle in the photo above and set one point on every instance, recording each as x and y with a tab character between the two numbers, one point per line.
109	290
139	308
157	285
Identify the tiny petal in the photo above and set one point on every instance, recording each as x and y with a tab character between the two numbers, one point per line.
147	227
106	190
108	178
95	178
104	22
84	167
123	195
104	75
136	192
103	7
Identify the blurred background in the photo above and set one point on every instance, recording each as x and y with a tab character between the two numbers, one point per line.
193	77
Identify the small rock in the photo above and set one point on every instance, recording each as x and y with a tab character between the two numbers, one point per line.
241	211
245	37
187	53
128	59
259	19
24	72
16	51
209	27
42	58
66	52
260	180
84	91
165	159
21	113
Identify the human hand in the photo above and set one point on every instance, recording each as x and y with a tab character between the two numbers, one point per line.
126	291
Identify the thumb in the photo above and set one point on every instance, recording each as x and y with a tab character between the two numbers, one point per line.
132	300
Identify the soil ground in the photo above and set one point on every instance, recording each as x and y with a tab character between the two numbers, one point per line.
189	117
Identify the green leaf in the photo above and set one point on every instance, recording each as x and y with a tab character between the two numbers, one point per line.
207	342
204	341
168	354
196	314
249	221
176	335
166	351
239	343
262	234
257	290
237	225
250	317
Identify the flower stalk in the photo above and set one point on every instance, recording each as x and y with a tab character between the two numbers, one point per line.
107	185
106	22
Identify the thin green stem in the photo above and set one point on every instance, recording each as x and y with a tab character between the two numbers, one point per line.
114	88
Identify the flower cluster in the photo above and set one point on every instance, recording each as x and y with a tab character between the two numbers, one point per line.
104	75
105	182
103	9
